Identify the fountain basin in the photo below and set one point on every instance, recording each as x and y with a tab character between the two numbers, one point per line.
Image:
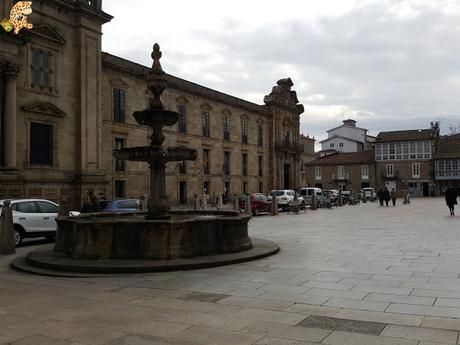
103	236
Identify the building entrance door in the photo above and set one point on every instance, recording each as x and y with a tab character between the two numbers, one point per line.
426	189
287	169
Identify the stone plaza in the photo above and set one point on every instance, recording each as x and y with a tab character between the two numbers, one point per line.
350	275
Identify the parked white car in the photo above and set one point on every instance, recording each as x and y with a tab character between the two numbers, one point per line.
284	197
308	192
33	218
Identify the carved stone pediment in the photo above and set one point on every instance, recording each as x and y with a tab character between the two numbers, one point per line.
226	112
45	108
283	95
182	100
206	107
47	32
119	83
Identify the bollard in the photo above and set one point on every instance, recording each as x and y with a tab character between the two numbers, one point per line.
247	205
196	202
220	202
236	204
313	205
274	205
204	201
7	242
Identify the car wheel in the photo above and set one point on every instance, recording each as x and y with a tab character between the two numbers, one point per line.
18	235
50	237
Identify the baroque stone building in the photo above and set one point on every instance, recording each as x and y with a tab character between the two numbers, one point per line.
65	105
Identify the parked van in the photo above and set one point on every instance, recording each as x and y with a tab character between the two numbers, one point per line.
308	192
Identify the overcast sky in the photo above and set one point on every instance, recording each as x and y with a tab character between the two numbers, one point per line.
388	64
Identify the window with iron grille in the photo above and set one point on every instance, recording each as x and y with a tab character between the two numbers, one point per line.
226	128
389	169
415	170
260	135
119	105
206	124
245	164
119	163
182	123
119	189
226	163
245	131
206	164
41	144
261	165
41	68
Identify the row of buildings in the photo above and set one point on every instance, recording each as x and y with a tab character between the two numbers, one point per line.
65	106
420	161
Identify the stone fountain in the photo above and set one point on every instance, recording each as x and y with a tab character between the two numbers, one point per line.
160	239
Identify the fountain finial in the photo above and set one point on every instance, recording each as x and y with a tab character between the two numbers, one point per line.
156	56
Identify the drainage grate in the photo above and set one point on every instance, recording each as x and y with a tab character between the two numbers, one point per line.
203	297
347	325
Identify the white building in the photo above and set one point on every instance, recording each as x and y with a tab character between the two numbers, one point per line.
347	138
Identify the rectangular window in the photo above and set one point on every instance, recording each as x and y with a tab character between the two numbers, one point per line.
331	145
182	192
206	124
341	172
261	165
245	132
416	170
389	170
340	144
245	164
206	187
226	128
317	173
206	163
182	167
226	163
119	163
260	136
41	144
41	68
182	123
119	104
119	189
364	172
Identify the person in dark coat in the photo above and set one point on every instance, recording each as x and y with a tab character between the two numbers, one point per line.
380	196
451	199
90	203
393	196
386	196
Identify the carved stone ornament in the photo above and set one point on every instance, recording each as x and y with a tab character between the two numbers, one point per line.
283	95
45	108
9	69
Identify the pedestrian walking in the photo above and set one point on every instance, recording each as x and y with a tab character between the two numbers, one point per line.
393	196
451	199
90	203
380	196
386	196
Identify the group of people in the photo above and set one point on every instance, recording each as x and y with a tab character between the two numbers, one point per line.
384	195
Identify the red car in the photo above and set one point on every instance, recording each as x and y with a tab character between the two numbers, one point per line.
259	203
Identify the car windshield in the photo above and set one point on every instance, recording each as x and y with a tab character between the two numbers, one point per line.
290	193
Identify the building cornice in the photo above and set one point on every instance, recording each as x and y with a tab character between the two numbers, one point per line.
81	7
140	71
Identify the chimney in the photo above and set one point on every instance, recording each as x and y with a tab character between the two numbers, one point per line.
349	122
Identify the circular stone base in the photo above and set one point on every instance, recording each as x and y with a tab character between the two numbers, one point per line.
44	262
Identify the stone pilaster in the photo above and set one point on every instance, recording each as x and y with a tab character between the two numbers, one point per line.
10	72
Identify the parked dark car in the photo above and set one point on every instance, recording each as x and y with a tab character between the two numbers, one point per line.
122	205
259	203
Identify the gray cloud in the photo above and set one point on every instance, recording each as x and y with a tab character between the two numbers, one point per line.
387	70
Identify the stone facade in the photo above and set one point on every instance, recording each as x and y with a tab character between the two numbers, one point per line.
74	103
348	171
